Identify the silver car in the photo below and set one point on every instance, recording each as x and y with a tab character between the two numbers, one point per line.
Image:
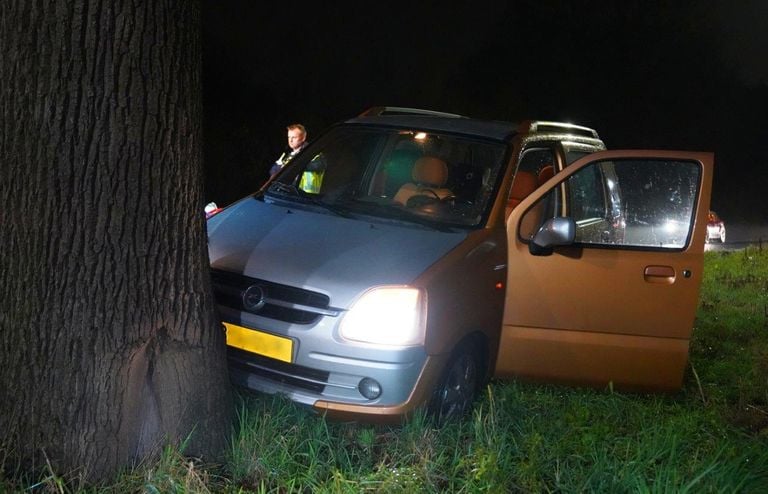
400	261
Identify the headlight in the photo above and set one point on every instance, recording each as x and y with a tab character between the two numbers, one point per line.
387	316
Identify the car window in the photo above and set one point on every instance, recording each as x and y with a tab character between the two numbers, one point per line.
587	196
397	174
625	203
533	160
659	199
572	155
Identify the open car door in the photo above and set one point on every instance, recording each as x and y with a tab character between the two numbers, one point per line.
604	266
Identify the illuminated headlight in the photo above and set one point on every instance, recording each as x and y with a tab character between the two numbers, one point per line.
387	316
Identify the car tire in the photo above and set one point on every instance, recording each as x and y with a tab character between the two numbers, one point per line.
458	385
722	237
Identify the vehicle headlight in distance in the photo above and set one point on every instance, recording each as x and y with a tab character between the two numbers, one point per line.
387	316
671	226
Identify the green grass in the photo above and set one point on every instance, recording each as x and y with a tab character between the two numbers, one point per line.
730	345
710	437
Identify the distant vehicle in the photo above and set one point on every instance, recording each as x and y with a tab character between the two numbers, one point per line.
407	256
715	228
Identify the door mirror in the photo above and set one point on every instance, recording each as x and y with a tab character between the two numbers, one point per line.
554	232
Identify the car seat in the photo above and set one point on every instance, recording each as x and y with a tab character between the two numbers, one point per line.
534	217
523	184
546	172
429	175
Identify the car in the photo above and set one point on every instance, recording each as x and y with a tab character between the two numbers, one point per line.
715	228
407	256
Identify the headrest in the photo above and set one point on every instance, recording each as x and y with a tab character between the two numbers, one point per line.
546	173
430	171
523	184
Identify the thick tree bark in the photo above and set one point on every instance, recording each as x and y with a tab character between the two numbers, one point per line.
109	346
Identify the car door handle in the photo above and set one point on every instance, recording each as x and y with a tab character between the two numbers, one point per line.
659	274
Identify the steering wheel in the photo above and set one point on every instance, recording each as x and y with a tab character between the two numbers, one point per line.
425	199
432	191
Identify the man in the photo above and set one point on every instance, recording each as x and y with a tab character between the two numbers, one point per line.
297	140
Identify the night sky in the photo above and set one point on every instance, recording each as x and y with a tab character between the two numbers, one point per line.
667	75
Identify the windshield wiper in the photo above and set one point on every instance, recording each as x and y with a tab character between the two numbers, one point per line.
292	190
283	188
399	213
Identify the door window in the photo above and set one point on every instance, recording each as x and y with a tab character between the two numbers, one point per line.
534	160
626	203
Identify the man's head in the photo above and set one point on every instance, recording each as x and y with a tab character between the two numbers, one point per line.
297	134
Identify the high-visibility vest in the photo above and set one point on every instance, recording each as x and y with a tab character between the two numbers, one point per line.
311	181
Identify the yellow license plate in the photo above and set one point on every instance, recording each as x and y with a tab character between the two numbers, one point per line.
266	344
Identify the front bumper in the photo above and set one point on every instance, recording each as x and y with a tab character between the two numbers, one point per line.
330	384
420	395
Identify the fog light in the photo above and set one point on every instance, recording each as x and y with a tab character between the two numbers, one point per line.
369	388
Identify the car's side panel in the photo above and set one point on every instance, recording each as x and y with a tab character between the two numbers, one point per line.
465	294
592	358
597	316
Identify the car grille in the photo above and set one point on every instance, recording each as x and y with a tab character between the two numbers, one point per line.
290	374
276	301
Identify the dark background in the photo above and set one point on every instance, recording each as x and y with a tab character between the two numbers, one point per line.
666	75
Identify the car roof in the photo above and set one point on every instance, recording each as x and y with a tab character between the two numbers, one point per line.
414	118
491	129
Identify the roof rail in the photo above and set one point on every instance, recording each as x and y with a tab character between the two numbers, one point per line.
400	110
545	126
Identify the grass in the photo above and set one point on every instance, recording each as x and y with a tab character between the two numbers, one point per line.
710	437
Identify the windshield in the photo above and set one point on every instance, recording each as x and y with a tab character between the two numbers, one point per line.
407	175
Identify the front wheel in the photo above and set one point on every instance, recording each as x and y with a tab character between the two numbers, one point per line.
458	386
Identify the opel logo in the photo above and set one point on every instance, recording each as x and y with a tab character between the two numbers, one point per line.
253	298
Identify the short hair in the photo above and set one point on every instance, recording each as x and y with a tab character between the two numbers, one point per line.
297	126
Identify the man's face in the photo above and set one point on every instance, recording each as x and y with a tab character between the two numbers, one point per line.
296	138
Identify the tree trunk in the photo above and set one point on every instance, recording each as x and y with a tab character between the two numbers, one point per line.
109	343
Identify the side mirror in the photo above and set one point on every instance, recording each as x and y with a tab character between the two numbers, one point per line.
554	232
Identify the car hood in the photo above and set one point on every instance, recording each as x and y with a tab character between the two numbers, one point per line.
322	252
